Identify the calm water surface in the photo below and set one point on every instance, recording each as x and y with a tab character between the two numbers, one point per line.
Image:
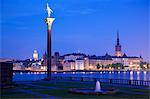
132	75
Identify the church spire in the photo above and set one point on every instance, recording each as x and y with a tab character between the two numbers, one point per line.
118	38
118	52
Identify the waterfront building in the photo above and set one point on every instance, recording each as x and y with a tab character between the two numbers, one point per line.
74	61
102	61
81	61
79	64
92	62
84	62
132	62
58	60
74	56
27	64
18	66
35	55
44	62
36	66
69	65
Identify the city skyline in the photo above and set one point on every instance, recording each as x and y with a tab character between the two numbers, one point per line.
90	27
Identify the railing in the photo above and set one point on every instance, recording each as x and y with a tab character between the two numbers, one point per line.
105	80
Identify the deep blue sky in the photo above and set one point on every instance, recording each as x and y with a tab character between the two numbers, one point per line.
86	25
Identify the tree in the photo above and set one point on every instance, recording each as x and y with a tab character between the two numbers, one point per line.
144	65
98	66
108	66
118	66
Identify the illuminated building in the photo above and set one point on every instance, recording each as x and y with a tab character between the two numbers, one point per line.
79	64
35	55
101	60
44	62
74	61
84	62
69	65
132	62
57	61
81	61
74	56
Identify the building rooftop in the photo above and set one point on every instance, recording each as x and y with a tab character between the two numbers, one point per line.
75	54
125	57
69	61
6	60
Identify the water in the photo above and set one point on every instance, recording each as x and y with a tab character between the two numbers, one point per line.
28	76
130	75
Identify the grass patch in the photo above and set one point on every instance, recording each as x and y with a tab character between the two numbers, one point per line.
81	85
19	96
64	94
15	94
66	85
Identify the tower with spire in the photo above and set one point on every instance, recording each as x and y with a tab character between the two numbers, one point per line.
118	51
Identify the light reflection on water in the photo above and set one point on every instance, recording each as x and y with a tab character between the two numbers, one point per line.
132	75
145	76
91	72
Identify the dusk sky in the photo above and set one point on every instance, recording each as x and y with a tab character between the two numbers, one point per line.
86	25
